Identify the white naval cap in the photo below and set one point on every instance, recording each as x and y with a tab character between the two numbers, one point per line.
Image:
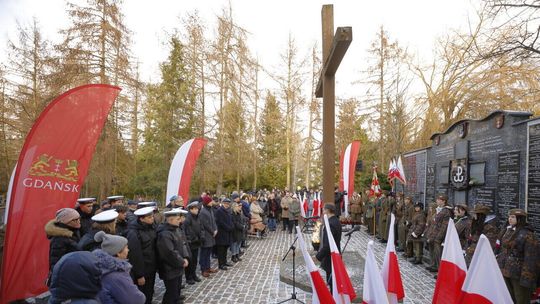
86	199
105	216
146	204
144	211
175	211
115	197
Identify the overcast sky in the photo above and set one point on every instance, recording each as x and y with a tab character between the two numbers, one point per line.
416	24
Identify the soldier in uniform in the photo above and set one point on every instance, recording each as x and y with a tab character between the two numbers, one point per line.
482	223
86	211
383	217
404	212
370	214
356	208
437	231
462	223
141	235
519	256
415	241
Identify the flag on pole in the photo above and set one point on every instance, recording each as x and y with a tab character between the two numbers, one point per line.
342	289
305	204
484	282
400	172
374	291
51	169
392	167
452	270
316	205
320	291
390	268
182	167
302	209
375	189
348	169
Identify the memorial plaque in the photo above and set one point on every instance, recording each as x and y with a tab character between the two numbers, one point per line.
485	196
507	183
533	192
430	183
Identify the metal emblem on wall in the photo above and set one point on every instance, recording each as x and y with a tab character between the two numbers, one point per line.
459	174
462	129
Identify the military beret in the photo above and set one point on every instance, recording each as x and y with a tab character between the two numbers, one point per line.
105	216
463	206
144	211
517	212
482	209
443	197
419	205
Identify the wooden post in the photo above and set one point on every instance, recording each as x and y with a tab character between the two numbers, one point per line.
334	48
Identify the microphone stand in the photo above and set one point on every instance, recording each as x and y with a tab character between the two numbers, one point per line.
293	294
348	239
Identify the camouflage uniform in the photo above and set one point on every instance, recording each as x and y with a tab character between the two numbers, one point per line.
463	227
436	235
489	229
406	211
518	261
369	206
356	208
383	219
418	226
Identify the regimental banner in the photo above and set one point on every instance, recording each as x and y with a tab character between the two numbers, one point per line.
459	174
51	169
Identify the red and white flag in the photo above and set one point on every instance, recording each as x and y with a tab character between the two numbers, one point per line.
392	167
375	189
342	289
374	291
305	204
400	172
301	199
484	282
182	167
320	291
452	270
51	169
390	268
348	169
316	205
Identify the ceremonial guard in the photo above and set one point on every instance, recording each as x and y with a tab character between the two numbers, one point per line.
483	222
462	223
437	231
85	207
173	253
141	235
415	243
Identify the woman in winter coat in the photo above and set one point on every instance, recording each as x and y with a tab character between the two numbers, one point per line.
116	284
256	217
239	223
63	232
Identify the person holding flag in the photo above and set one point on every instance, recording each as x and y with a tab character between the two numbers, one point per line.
324	254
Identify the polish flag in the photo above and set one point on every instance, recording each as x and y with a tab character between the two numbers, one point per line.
484	282
348	169
392	171
316	205
320	291
452	270
400	172
374	291
302	210
390	269
342	289
182	167
375	189
305	204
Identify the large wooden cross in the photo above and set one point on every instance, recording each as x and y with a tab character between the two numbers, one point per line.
334	48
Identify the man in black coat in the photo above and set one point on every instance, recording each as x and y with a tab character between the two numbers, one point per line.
209	228
141	235
195	237
173	254
225	228
324	253
86	211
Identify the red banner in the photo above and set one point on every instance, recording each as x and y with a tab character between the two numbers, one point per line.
51	169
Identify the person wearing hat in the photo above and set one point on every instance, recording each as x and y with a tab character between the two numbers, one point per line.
116	200
103	221
63	233
132	206
483	222
224	230
415	243
116	283
195	238
240	224
173	254
384	206
462	223
437	232
175	201
518	257
86	211
141	235
405	209
121	221
324	253
209	231
104	206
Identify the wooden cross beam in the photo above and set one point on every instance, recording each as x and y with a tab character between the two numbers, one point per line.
334	48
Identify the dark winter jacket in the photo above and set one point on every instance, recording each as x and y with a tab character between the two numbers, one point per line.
239	223
323	255
76	278
463	228
273	208
208	226
63	239
121	228
86	221
437	231
193	230
490	230
142	248
88	243
225	226
117	286
172	250
245	209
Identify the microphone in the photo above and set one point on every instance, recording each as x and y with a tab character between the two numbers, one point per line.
355	228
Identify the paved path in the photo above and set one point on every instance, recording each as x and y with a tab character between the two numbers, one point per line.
256	278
